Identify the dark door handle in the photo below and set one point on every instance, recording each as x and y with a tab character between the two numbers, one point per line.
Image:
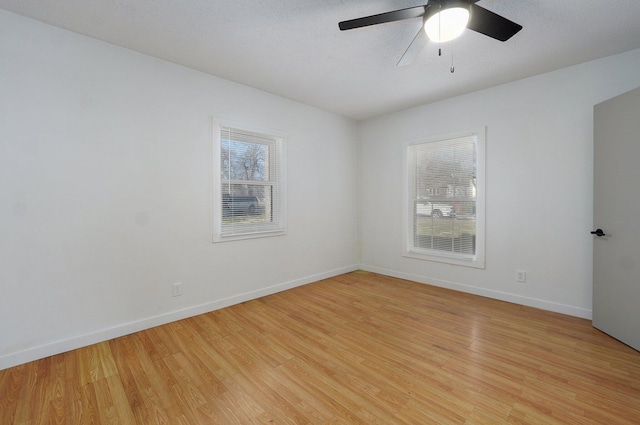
598	232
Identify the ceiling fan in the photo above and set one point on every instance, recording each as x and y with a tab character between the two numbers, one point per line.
443	20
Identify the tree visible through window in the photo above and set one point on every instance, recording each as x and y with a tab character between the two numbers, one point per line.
445	217
251	184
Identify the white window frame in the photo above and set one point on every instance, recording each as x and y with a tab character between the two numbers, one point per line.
408	248
278	225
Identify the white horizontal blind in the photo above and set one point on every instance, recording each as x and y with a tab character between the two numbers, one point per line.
443	191
251	176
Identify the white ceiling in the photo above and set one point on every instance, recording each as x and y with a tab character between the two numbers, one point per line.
293	48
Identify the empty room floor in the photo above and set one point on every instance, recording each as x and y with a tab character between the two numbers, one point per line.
359	348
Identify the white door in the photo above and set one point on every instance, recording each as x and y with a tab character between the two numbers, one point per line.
616	198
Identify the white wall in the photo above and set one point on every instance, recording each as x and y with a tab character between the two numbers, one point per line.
105	183
539	184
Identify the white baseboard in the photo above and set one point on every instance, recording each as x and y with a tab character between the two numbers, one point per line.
489	293
57	347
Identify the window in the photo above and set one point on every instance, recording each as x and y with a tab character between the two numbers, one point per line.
444	202
249	183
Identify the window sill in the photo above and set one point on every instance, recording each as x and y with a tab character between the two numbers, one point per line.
249	235
443	257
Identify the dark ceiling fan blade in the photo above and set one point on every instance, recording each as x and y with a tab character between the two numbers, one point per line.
416	46
396	15
491	24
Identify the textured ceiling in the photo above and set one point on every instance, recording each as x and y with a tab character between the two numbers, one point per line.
293	48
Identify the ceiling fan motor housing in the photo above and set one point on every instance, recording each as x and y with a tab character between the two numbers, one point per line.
446	20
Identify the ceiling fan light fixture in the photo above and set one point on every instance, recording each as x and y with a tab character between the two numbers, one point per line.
447	24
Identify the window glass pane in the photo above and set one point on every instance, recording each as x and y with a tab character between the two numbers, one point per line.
445	234
244	161
244	204
446	169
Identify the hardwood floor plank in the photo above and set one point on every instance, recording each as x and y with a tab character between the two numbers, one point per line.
120	400
11	386
359	348
81	403
27	397
89	366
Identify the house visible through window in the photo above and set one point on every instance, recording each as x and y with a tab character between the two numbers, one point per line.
249	197
445	199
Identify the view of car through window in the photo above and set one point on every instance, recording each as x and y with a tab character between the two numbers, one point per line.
434	209
238	205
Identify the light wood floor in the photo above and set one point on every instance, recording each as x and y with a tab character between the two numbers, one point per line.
356	349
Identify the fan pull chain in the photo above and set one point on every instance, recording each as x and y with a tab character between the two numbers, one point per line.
440	30
453	69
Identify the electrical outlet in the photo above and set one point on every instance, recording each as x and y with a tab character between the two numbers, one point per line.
521	276
177	289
